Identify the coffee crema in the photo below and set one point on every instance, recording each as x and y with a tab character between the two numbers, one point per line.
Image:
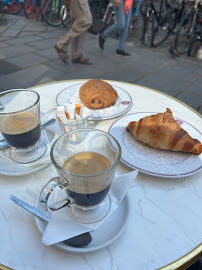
88	191
86	163
21	130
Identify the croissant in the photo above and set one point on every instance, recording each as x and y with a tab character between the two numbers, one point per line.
161	131
97	94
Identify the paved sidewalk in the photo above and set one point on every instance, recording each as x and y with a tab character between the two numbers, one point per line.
28	58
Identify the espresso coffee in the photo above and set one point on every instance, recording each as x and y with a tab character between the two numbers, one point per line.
88	191
21	130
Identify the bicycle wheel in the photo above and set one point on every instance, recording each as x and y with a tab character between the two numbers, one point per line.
65	16
13	7
194	45
97	10
182	38
164	28
2	11
148	28
31	9
143	7
50	10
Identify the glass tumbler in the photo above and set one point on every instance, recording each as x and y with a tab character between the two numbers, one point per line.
20	125
86	169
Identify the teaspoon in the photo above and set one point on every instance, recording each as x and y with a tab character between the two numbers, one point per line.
4	145
77	241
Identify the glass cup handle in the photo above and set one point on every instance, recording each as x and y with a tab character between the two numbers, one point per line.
48	189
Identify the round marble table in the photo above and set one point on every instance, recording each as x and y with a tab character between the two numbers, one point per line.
164	229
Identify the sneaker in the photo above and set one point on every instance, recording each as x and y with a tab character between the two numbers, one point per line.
100	42
123	53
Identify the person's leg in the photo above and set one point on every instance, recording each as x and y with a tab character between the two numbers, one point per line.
77	50
82	20
124	32
78	41
120	22
78	46
115	28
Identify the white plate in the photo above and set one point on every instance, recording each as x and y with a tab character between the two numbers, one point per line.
10	168
108	232
152	161
122	105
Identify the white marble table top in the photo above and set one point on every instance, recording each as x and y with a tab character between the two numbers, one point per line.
165	220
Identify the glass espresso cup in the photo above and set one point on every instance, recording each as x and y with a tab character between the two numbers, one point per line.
20	124
86	169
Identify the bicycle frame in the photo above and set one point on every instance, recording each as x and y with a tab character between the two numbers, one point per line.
156	13
195	15
5	2
55	6
137	8
108	13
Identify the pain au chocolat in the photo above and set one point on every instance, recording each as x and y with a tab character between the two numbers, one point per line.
162	131
97	94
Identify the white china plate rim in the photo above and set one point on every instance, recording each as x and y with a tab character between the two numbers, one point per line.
26	171
120	217
10	168
126	159
101	114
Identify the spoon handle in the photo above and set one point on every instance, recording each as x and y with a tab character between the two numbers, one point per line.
48	123
77	241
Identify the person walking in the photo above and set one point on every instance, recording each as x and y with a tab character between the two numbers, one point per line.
81	21
123	12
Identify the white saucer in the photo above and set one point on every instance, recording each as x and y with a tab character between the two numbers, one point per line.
10	168
108	232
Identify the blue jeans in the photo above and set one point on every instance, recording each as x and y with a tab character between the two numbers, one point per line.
121	26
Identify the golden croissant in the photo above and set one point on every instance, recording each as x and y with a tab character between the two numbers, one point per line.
161	131
97	94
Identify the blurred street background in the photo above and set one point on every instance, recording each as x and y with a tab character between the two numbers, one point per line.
28	58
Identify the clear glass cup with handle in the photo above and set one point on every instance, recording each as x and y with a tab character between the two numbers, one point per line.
20	124
86	170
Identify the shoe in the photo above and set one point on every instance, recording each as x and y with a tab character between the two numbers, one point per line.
100	42
81	60
123	53
62	55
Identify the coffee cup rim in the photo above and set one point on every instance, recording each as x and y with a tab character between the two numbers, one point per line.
18	90
85	175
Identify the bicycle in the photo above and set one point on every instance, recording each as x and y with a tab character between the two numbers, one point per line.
196	39
53	12
189	32
152	20
65	16
104	16
32	9
10	7
14	7
169	22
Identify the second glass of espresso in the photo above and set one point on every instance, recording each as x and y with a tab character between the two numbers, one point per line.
20	125
86	170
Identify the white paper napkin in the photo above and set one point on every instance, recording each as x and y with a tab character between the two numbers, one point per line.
48	136
62	227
